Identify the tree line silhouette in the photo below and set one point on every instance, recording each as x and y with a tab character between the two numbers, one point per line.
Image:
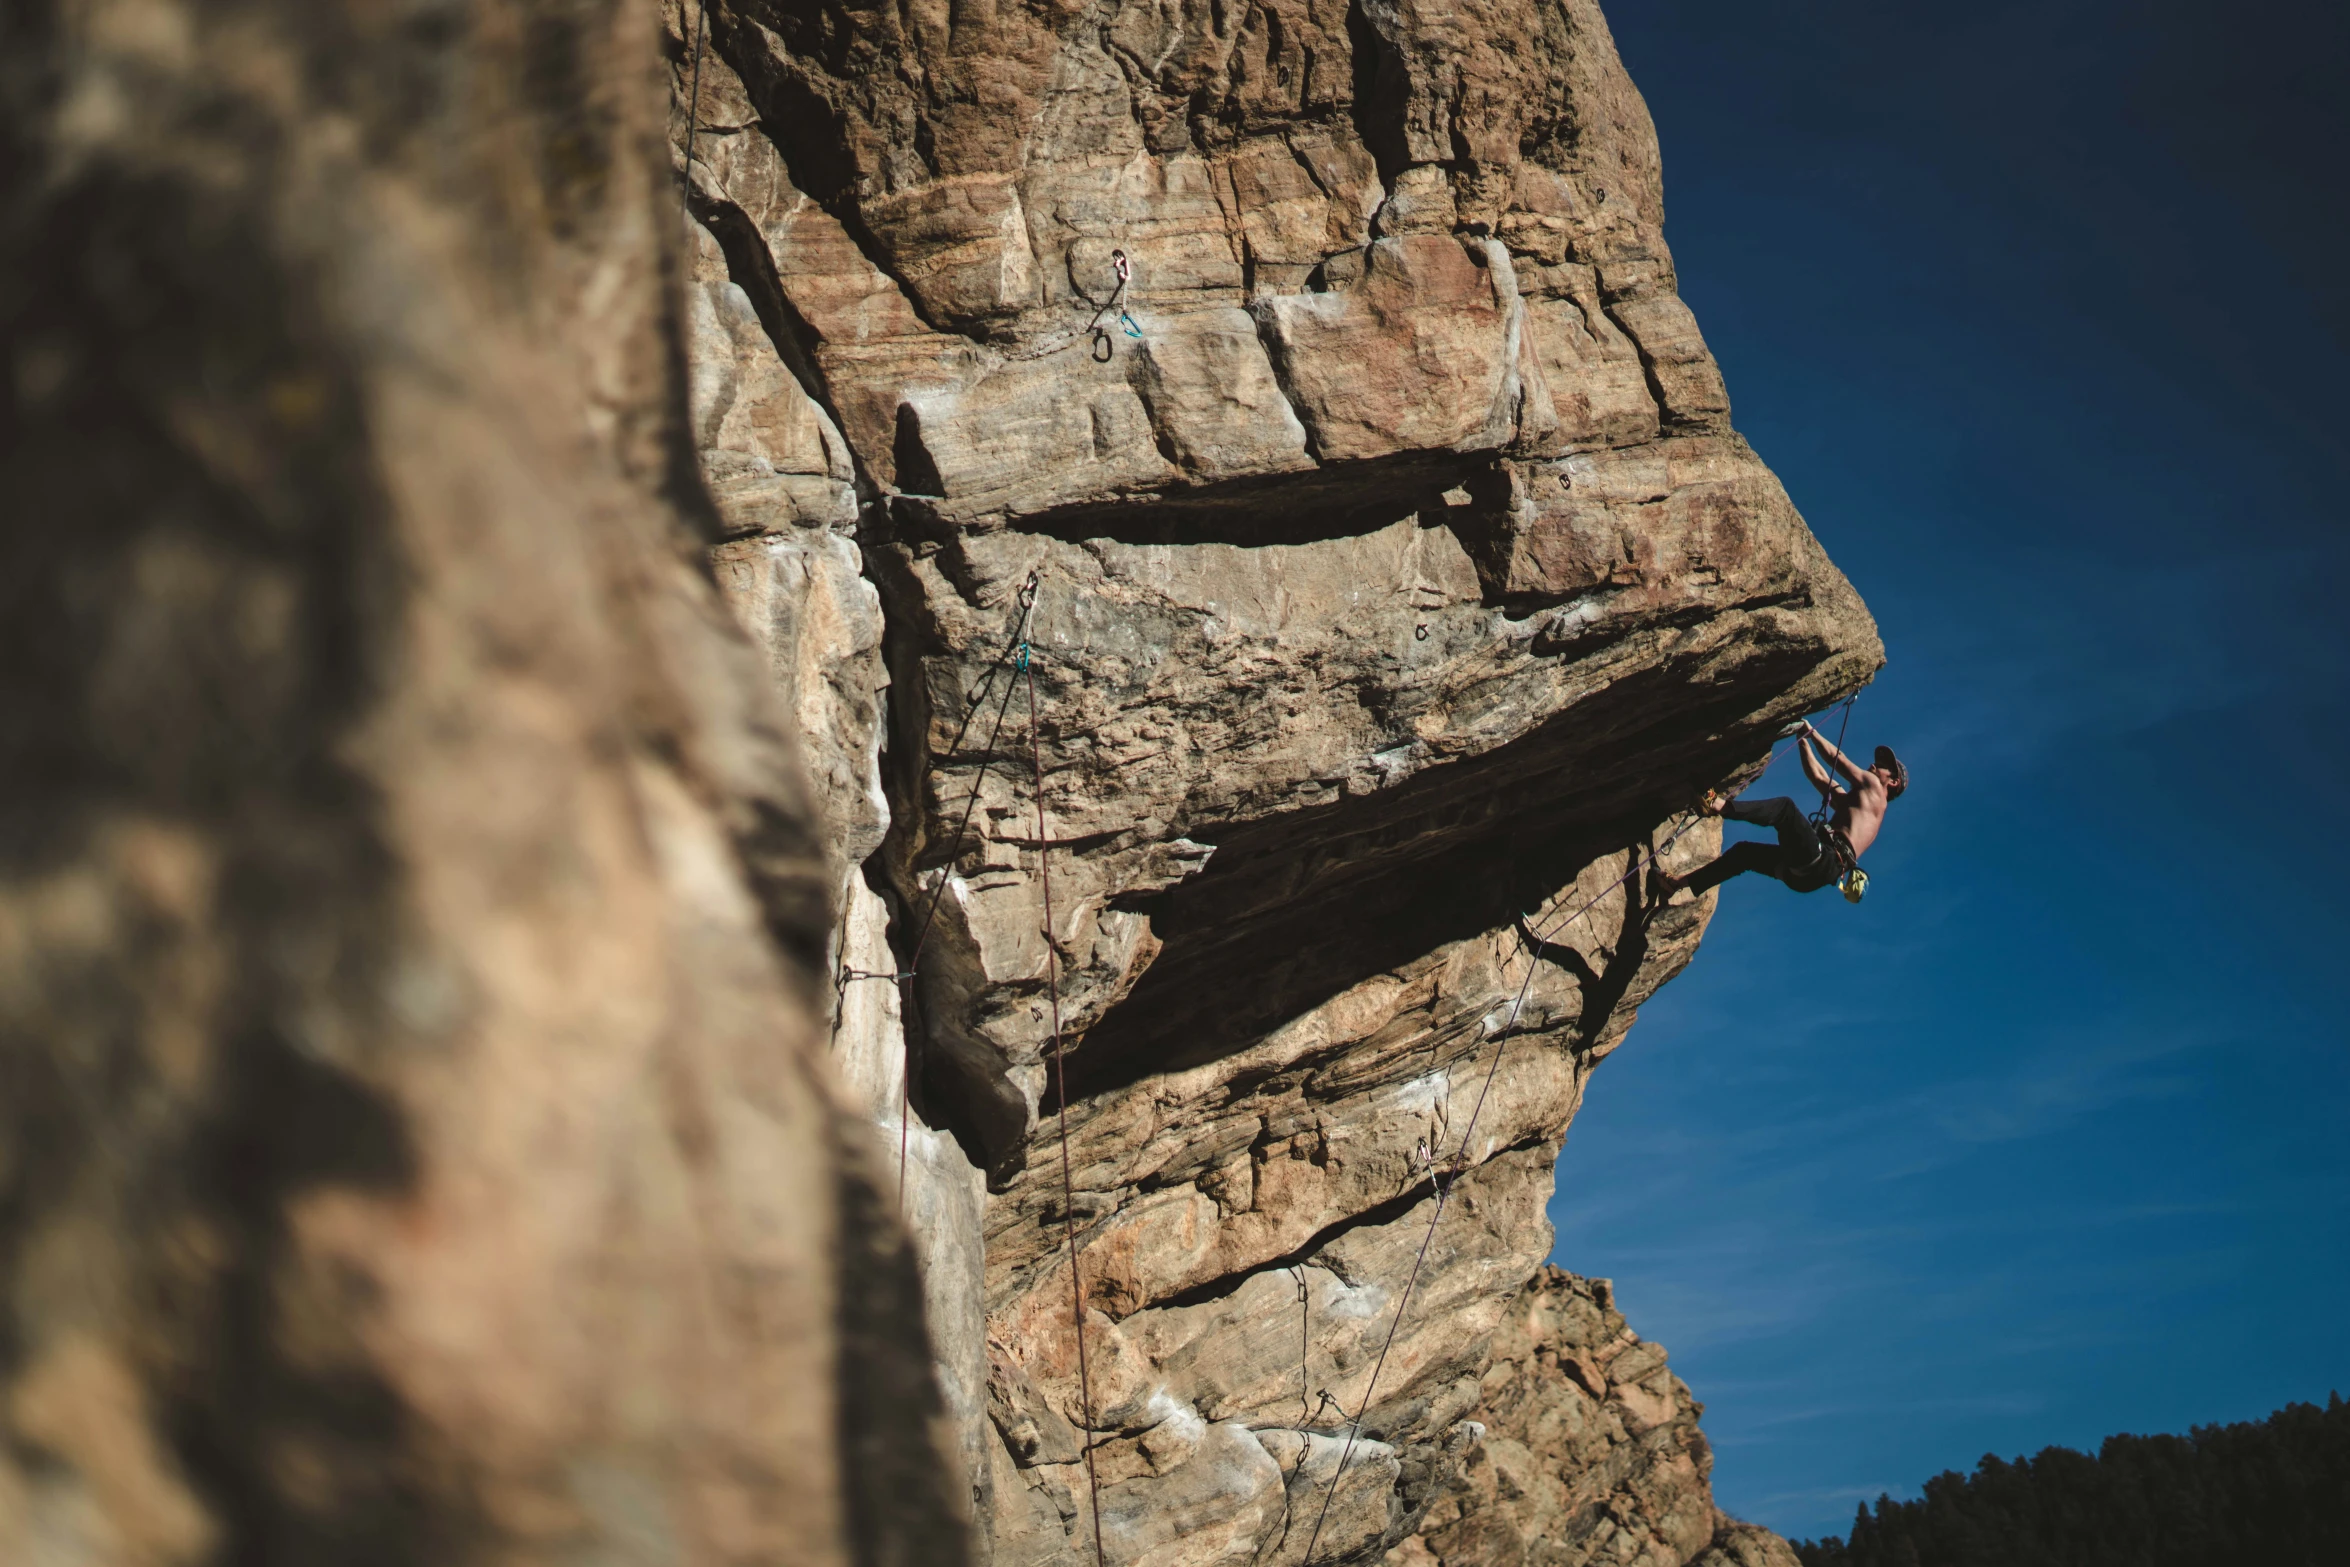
2274	1491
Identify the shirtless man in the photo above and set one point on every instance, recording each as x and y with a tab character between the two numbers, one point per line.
1802	858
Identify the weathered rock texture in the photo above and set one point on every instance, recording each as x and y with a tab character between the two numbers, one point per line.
415	1142
1297	393
1588	1451
1300	395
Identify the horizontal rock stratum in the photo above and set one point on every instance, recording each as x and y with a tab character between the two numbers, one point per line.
1251	467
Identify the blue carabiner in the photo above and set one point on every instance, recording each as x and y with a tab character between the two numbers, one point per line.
1127	322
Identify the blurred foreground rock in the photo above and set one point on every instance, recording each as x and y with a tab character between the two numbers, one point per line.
415	1141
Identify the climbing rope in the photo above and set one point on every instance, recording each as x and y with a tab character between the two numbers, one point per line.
946	874
1827	805
693	108
1017	644
1052	974
1271	1545
1305	1341
1016	660
1443	1181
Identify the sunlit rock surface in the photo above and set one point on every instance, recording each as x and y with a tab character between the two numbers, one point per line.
1296	398
1587	1451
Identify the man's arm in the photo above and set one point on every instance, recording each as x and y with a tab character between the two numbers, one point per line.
1843	763
1812	768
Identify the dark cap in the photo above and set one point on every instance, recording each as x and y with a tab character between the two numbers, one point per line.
1891	763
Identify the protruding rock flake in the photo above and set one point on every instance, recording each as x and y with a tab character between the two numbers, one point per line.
1392	583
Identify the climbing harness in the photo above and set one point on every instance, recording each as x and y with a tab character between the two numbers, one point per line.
1052	974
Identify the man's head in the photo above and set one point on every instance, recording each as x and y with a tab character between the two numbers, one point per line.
1888	767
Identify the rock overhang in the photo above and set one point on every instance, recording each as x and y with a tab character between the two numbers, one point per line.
1339	719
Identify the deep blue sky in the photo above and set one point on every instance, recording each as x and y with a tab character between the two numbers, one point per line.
2042	311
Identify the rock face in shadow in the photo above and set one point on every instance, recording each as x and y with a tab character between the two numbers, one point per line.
1304	524
415	1139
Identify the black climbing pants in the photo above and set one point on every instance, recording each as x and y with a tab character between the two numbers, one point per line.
1799	858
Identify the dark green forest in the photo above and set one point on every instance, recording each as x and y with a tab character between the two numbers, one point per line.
2274	1491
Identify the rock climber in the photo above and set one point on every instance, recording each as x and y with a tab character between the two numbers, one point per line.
1808	856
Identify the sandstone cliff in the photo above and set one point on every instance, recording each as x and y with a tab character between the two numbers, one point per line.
436	934
1587	1449
1298	395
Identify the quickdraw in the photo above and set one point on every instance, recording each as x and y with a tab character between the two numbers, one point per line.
1103	344
1110	312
